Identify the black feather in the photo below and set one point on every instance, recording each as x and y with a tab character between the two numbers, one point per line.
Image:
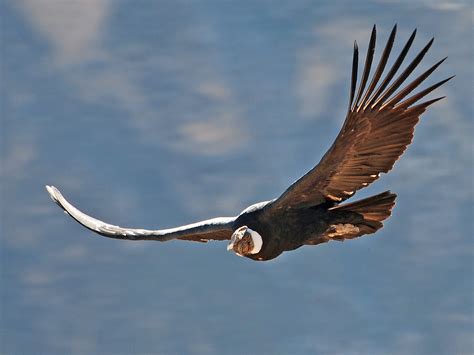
393	70
368	64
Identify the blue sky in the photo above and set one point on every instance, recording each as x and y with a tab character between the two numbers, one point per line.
160	113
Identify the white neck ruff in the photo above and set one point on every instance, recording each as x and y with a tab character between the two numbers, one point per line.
257	241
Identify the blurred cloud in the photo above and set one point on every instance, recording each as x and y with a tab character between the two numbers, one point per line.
73	28
17	156
64	287
76	31
446	5
440	5
71	253
319	69
214	90
335	32
40	277
218	136
316	81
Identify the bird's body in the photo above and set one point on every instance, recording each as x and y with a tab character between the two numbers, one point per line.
285	230
378	128
289	229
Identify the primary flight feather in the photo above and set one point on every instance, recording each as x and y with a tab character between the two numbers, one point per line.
378	128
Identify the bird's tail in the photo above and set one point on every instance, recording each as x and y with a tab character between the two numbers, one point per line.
374	210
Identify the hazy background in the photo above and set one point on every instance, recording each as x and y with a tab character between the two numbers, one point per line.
158	113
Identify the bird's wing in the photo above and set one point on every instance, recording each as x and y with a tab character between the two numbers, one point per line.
378	128
211	229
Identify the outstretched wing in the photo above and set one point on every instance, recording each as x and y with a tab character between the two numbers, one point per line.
211	229
378	128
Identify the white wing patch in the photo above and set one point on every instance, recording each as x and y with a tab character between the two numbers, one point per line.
113	231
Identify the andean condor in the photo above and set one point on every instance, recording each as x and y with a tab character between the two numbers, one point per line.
378	128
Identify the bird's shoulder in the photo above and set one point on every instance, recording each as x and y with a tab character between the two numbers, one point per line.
259	206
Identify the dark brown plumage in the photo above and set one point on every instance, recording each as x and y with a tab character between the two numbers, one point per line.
377	130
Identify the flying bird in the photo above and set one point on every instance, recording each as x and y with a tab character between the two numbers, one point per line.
378	128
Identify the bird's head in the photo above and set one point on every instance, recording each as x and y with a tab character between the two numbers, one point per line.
245	241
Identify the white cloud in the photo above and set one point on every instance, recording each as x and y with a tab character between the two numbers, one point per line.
72	27
18	155
433	4
319	69
315	83
214	90
336	32
215	136
325	67
71	253
40	276
75	30
111	86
